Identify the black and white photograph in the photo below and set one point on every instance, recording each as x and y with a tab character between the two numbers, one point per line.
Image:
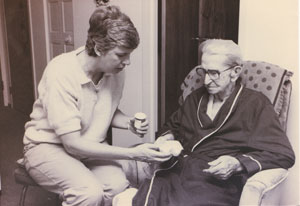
149	103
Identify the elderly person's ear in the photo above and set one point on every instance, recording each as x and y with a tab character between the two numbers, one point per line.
235	73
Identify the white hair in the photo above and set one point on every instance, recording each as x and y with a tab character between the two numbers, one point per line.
223	47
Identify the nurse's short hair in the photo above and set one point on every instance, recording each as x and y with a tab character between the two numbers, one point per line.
223	47
109	28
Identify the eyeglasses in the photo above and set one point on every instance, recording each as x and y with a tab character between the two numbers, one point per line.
213	74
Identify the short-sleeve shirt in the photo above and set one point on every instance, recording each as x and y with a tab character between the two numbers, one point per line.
66	100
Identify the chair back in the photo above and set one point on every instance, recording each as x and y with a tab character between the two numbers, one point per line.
272	80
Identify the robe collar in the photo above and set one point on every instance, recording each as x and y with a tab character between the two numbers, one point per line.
208	126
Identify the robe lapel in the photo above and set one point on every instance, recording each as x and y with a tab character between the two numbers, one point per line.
207	127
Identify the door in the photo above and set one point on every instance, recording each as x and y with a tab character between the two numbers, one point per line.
19	54
218	19
60	20
178	50
183	26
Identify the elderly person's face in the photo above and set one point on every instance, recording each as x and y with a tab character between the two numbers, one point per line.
217	78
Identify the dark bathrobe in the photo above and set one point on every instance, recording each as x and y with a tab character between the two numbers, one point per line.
246	127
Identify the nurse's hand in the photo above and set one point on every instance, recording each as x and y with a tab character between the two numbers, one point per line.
149	152
139	130
162	139
224	167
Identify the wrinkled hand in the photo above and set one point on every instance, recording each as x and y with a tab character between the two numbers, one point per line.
149	152
139	131
224	167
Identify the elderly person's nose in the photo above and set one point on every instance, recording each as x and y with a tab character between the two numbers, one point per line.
207	79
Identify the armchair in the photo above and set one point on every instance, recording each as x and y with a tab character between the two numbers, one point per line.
273	82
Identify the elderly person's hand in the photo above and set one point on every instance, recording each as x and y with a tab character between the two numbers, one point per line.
224	167
149	152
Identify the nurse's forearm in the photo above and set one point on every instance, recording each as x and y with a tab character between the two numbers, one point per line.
83	148
120	120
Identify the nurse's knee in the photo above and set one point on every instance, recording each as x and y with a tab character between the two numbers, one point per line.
118	185
113	188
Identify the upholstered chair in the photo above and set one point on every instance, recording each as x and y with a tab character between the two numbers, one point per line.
274	82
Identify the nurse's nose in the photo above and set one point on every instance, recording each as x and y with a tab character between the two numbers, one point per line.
127	60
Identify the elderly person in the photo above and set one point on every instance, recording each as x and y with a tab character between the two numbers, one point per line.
66	149
228	133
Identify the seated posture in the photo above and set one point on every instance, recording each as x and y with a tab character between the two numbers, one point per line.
228	133
66	147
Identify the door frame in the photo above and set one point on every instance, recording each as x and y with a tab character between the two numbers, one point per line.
33	41
5	66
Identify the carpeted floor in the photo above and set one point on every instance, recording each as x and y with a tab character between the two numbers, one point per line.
11	133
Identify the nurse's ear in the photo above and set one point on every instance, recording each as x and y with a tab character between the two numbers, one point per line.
97	51
236	72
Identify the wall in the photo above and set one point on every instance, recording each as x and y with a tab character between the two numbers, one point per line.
141	75
269	32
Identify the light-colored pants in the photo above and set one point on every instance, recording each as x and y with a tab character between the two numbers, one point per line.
84	183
